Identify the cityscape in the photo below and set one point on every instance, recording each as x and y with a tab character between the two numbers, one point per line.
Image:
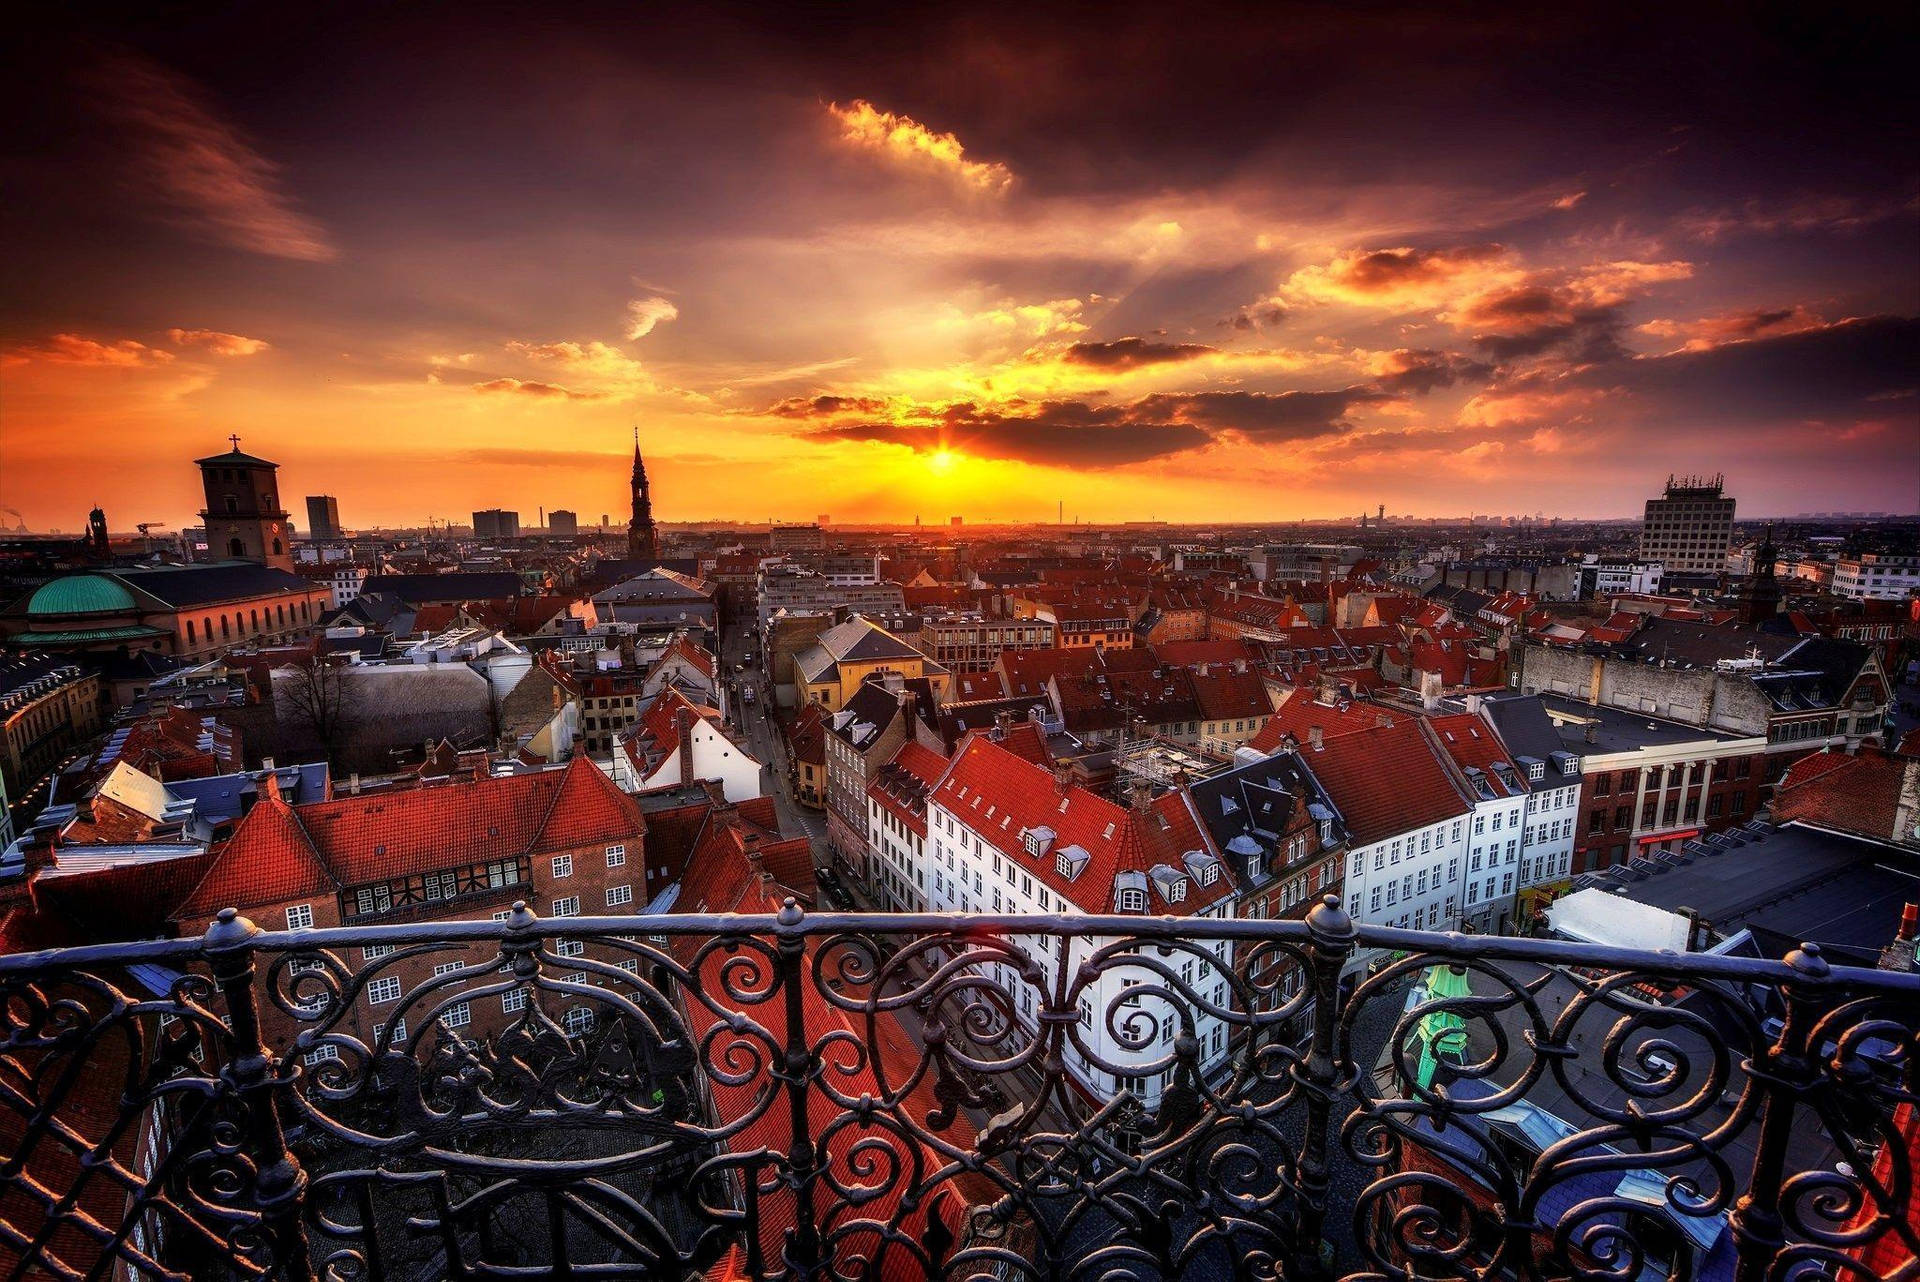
749	646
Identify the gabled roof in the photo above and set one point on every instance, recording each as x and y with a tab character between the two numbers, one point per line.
1853	794
1302	713
1473	746
1001	795
1355	770
269	859
858	641
181	586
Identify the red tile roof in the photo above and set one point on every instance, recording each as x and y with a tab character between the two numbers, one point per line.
279	853
1302	712
1000	795
268	860
1471	742
1386	780
1859	794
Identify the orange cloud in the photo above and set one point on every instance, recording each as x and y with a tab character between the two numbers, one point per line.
907	141
72	349
1404	279
202	167
218	343
540	391
1733	327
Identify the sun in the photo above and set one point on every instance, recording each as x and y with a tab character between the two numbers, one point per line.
942	460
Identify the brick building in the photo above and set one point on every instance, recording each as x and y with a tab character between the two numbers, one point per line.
567	841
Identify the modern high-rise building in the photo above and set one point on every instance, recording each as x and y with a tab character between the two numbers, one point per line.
1688	529
562	524
323	516
495	523
245	521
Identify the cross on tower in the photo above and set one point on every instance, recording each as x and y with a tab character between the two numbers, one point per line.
236	443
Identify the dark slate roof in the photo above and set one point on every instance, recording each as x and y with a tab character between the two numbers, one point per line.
1615	730
612	570
1460	600
1255	803
857	640
1524	725
423	589
190	585
1787	885
223	797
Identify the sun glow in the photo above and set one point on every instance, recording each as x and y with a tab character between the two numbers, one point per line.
942	460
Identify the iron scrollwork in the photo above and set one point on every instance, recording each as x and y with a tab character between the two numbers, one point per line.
863	1096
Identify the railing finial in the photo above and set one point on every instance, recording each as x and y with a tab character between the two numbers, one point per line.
229	930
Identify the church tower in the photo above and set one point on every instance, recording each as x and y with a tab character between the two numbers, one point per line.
1761	599
643	542
245	521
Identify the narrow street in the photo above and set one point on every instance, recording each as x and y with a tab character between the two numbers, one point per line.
756	723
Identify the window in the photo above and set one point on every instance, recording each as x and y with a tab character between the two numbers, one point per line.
399	1032
616	856
578	1021
513	1001
447	968
617	895
568	947
1133	901
300	917
384	989
568	907
458	1015
321	1054
562	866
373	952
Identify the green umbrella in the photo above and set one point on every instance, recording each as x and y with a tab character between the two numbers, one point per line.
1442	1035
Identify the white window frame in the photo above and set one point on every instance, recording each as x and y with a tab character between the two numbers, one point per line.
562	867
618	896
300	917
389	984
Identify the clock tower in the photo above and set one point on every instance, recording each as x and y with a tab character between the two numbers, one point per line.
245	521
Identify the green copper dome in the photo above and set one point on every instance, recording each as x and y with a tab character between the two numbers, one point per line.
80	594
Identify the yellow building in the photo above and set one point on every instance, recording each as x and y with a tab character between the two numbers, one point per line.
829	671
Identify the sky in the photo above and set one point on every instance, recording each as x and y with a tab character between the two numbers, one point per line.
1160	262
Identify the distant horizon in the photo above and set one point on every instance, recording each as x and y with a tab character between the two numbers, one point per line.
1198	265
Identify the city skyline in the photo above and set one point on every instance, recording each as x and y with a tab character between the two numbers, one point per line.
1198	269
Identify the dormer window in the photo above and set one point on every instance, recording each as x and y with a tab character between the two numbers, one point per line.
1209	873
1253	867
1133	901
1537	771
1177	891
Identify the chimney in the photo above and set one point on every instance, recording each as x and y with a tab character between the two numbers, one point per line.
269	786
1316	737
1592	730
266	763
1899	955
1289	742
353	784
684	720
1002	722
1062	777
1139	795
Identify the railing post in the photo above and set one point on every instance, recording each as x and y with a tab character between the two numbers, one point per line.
1330	938
279	1185
1785	1073
803	1240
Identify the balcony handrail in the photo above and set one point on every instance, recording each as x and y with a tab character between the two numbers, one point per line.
821	1062
1446	944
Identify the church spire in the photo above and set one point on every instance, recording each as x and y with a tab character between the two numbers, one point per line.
643	542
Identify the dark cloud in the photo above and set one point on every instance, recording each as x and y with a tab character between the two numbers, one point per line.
1249	319
1049	433
825	406
1266	416
1385	270
1821	373
1420	370
1076	434
1131	353
1532	320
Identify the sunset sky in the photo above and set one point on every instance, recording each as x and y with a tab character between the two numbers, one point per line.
1290	263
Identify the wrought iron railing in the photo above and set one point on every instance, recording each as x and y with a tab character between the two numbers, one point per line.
843	1095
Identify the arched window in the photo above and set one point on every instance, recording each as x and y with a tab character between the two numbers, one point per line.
224	632
276	547
236	548
190	638
206	626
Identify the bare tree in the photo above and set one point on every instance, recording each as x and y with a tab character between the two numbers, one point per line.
317	699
